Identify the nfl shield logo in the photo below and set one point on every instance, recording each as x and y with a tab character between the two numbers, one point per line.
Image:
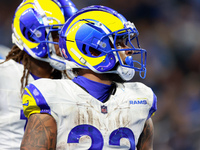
104	109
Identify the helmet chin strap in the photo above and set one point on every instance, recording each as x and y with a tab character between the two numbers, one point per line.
125	73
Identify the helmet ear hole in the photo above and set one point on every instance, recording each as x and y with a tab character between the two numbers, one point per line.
84	49
27	34
30	38
94	52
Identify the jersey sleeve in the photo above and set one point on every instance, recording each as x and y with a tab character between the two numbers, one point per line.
34	101
145	92
151	97
153	107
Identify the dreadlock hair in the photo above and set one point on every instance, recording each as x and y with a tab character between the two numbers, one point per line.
20	56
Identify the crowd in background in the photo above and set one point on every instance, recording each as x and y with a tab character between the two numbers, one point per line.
169	31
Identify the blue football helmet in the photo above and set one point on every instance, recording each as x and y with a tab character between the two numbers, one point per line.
37	23
68	8
89	40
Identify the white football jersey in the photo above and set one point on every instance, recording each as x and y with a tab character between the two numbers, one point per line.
12	119
84	122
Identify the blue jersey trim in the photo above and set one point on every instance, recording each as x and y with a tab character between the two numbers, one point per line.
39	99
153	107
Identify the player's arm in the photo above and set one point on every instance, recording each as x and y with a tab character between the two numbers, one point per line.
40	133
146	138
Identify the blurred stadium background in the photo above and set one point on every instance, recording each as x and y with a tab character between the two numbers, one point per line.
169	31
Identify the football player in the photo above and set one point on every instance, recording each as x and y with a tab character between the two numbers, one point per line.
98	109
35	26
